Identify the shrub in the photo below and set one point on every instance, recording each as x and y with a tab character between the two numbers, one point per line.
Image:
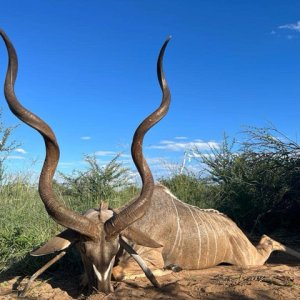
191	189
258	180
85	189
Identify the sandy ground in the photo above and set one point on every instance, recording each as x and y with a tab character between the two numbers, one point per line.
278	279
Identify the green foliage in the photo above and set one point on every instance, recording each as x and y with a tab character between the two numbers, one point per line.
258	179
190	189
24	222
6	146
85	189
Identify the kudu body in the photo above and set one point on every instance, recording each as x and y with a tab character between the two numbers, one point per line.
189	237
195	238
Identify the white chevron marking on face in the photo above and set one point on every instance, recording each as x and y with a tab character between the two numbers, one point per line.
109	268
99	275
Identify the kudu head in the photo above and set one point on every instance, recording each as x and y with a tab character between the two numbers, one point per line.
98	233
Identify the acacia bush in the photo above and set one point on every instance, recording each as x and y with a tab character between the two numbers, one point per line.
191	189
6	146
258	180
85	189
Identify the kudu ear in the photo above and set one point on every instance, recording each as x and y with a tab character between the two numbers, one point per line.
57	243
140	238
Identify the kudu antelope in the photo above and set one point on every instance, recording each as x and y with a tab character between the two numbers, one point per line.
99	232
189	237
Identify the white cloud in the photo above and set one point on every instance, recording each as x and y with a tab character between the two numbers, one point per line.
155	160
294	26
180	138
124	155
182	146
112	153
194	154
20	150
15	157
85	138
105	153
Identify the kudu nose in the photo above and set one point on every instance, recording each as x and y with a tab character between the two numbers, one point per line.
105	287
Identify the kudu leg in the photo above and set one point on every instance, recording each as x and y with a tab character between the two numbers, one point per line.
140	262
41	271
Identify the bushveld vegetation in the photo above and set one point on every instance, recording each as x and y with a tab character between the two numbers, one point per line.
256	182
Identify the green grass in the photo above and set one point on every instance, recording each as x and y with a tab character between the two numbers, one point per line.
25	224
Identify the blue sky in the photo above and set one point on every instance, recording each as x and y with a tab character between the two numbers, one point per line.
88	68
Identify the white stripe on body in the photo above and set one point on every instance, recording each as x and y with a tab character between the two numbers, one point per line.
199	237
215	236
246	254
199	215
222	226
178	232
240	249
